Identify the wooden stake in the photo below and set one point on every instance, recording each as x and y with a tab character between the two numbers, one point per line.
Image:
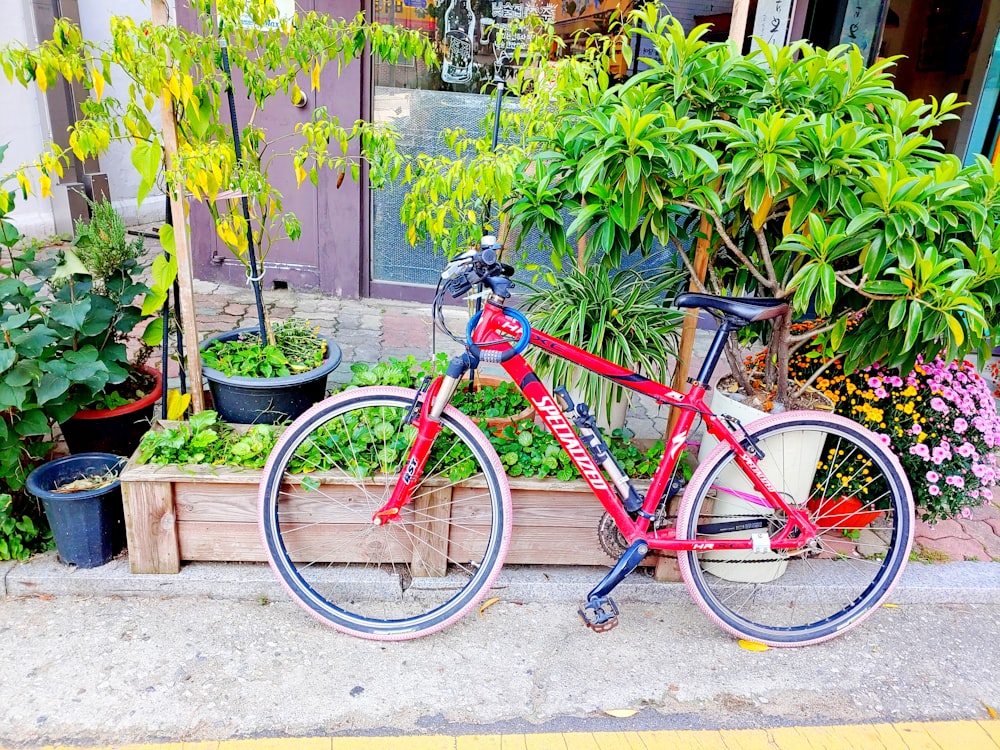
700	264
738	23
182	246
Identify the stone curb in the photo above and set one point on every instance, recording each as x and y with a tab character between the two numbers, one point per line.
43	575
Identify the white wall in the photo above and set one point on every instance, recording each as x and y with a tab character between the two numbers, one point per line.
21	127
25	128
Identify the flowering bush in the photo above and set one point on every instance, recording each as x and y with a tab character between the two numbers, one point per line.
940	420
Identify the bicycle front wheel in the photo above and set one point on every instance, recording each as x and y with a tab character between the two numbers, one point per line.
328	474
854	490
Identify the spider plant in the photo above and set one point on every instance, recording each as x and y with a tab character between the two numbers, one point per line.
622	315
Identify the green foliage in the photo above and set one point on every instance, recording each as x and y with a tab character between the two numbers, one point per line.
820	182
64	325
455	197
203	439
21	536
102	243
530	450
488	401
620	315
405	372
298	348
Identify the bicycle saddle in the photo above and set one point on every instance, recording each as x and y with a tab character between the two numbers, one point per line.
748	309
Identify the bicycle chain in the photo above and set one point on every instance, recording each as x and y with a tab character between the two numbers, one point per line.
614	545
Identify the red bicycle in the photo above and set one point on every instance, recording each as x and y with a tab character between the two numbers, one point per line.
386	513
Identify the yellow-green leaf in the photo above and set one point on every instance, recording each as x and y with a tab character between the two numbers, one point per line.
752	645
98	81
488	603
177	404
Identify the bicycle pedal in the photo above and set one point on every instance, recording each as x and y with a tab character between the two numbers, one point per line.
600	614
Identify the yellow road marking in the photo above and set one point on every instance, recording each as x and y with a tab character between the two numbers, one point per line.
939	735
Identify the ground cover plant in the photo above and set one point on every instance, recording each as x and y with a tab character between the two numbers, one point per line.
297	348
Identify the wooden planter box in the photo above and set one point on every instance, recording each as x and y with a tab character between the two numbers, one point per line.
177	513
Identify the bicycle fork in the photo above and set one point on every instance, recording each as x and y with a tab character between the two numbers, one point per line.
425	415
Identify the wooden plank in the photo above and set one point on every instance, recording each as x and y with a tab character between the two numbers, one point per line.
182	246
241	542
432	511
150	528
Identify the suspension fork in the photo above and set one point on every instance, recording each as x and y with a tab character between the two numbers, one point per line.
428	424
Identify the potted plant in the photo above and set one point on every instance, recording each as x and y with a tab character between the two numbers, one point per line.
940	418
62	351
622	315
83	503
256	382
118	414
818	183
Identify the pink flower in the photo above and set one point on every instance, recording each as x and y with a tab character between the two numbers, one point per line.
966	512
966	450
938	404
881	393
874	382
940	453
920	449
955	481
934	490
916	429
932	476
961	425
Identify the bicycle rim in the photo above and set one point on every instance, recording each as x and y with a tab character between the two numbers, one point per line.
329	472
855	491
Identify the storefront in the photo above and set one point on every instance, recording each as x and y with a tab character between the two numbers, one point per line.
356	244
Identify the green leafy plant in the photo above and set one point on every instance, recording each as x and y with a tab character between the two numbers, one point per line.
63	347
820	182
486	401
405	372
297	347
21	536
203	439
621	315
530	450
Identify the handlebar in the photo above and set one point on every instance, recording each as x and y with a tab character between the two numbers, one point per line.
478	267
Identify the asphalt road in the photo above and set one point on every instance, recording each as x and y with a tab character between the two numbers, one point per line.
106	669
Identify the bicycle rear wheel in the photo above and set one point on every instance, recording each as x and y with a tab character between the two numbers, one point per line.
855	491
329	472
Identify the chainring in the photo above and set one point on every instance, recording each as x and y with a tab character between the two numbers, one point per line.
611	539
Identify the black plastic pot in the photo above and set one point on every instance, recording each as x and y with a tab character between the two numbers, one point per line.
267	400
88	526
116	431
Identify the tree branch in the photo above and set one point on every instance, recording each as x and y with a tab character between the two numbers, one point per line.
727	240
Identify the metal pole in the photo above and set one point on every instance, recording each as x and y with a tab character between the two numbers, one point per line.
251	254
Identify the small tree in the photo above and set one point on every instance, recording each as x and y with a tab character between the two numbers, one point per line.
150	62
823	184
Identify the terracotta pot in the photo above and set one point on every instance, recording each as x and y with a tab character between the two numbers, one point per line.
496	424
117	431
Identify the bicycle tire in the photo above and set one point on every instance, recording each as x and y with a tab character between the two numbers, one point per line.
860	499
407	578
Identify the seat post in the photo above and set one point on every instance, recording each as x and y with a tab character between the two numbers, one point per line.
727	326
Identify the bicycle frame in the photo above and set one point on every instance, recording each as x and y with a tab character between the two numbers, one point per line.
495	323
